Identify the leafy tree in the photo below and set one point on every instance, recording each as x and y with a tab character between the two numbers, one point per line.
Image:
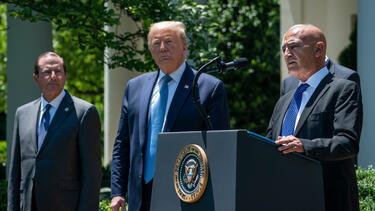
85	76
249	29
3	45
220	27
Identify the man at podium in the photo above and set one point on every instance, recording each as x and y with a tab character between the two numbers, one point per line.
321	118
155	102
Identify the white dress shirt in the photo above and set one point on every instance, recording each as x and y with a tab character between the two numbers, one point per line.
313	83
54	105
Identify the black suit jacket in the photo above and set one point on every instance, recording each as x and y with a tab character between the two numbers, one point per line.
65	174
329	128
131	139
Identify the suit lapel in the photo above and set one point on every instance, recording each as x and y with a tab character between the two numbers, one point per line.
284	108
62	112
182	92
34	121
331	67
145	99
314	99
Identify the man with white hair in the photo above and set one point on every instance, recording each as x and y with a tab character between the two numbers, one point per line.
159	101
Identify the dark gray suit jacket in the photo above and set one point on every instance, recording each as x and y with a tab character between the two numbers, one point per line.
65	174
329	128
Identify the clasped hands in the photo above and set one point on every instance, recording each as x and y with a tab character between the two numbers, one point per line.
289	144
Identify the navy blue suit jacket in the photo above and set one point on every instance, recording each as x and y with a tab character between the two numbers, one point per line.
129	146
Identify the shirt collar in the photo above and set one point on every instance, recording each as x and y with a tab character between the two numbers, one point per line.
315	79
176	75
55	102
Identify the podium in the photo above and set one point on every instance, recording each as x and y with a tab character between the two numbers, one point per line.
246	172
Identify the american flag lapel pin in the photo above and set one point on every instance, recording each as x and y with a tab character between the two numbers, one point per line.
186	86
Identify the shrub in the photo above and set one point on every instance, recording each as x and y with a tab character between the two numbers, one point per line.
3	194
104	205
366	188
3	158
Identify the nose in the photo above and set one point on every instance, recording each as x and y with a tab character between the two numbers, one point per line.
53	74
163	47
287	53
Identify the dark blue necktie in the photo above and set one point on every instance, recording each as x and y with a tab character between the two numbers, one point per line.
154	128
291	115
44	125
46	117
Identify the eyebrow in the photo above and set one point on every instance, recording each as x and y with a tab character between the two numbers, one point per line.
289	43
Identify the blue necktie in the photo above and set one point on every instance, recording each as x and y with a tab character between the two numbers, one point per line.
291	115
154	128
44	125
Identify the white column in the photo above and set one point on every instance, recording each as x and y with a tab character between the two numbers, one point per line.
25	42
291	13
336	22
366	64
115	81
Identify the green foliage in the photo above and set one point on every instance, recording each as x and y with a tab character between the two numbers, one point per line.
85	75
3	194
227	28
3	43
366	188
249	29
3	158
348	56
3	151
104	205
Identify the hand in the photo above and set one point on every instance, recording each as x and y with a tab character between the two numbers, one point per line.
289	144
117	202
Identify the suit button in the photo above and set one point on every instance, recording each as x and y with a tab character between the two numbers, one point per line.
140	177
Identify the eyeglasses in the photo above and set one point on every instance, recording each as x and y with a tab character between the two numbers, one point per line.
48	72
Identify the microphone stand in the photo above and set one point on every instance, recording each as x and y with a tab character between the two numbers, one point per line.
196	99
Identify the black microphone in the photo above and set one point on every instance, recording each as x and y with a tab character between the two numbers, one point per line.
236	64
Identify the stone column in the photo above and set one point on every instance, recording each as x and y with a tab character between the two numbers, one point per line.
115	81
366	64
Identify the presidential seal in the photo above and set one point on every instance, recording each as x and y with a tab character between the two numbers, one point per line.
191	173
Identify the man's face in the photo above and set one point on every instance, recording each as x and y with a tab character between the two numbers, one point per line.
298	54
167	49
51	77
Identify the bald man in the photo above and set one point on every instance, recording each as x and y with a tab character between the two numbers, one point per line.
321	118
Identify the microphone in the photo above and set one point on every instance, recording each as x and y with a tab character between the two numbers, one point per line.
236	64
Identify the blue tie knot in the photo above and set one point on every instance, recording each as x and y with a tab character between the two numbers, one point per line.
166	79
302	88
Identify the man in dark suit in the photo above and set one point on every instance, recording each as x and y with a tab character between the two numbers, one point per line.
56	155
321	118
142	119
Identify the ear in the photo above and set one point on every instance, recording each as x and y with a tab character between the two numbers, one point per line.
36	79
319	49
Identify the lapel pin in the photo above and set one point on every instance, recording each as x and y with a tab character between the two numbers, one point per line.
186	86
66	109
